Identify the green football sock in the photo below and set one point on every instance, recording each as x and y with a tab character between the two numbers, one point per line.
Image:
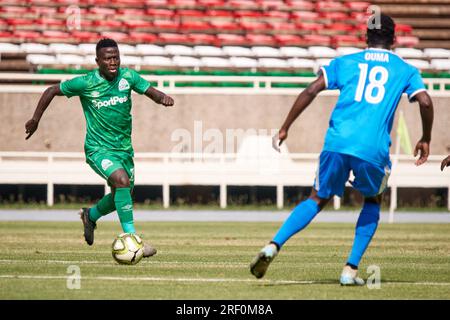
105	206
124	207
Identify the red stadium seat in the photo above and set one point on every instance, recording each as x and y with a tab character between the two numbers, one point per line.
55	35
13	9
357	5
44	10
347	40
247	14
166	24
283	27
182	3
253	26
310	26
142	37
26	35
219	14
190	13
243	4
270	4
279	15
334	15
305	15
5	35
403	28
407	41
51	22
109	23
330	6
19	22
300	5
200	38
261	39
211	3
132	12
172	38
138	24
85	36
160	13
118	36
195	25
289	40
221	26
231	39
340	27
102	11
317	40
156	3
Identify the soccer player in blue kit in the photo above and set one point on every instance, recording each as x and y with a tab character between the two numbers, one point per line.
371	83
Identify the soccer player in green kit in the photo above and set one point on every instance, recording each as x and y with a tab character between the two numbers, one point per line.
105	94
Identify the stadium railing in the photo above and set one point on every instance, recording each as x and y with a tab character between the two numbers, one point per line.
227	169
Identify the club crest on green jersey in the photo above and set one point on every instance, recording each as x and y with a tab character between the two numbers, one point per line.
123	84
106	163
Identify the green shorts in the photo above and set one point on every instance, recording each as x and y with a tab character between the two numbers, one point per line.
104	163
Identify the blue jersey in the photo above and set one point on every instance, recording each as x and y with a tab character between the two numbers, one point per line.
371	84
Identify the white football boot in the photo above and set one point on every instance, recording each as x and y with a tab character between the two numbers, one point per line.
349	277
259	265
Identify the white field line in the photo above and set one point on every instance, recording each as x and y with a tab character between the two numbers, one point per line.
213	280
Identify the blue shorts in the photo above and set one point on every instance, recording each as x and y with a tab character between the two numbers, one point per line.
334	171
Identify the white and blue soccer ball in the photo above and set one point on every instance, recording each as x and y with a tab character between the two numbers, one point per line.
127	248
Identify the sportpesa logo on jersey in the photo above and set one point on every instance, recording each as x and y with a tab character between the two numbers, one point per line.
111	102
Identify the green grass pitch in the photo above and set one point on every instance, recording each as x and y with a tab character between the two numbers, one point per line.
210	260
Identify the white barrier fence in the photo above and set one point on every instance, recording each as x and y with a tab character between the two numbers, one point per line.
169	169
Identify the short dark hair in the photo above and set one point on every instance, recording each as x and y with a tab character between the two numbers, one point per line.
105	43
383	33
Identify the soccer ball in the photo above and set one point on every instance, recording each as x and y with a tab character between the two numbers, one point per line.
127	248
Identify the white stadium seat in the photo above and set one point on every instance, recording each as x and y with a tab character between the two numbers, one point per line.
34	48
322	52
10	48
409	53
294	52
441	64
159	61
178	50
301	63
236	51
322	62
131	60
243	62
41	59
126	49
342	51
419	64
70	59
182	61
150	49
87	48
63	48
90	59
436	53
263	51
215	62
272	63
208	51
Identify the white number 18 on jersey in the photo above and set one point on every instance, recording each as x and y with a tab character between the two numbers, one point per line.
374	73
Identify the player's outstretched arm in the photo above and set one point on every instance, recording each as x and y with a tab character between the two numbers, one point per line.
47	97
445	163
301	103
159	97
426	113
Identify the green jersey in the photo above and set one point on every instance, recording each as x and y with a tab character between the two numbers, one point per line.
106	106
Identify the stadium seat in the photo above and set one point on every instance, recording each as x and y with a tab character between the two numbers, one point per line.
322	52
34	48
407	41
195	26
142	37
272	63
40	59
263	51
300	5
434	53
208	51
85	36
181	61
160	13
157	61
201	38
231	39
127	49
440	64
179	50
90	60
294	52
166	25
215	62
131	60
10	48
243	62
260	39
87	48
172	38
219	14
223	26
63	48
150	49
419	64
70	59
301	63
341	51
237	51
118	36
409	53
289	40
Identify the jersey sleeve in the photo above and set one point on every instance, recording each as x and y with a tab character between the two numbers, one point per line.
415	85
139	84
330	74
73	87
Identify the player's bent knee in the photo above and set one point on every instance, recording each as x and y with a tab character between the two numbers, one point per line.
119	179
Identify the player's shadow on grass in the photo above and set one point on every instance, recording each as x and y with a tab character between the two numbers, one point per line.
278	283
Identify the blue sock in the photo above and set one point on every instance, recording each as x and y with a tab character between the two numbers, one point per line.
365	229
300	217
